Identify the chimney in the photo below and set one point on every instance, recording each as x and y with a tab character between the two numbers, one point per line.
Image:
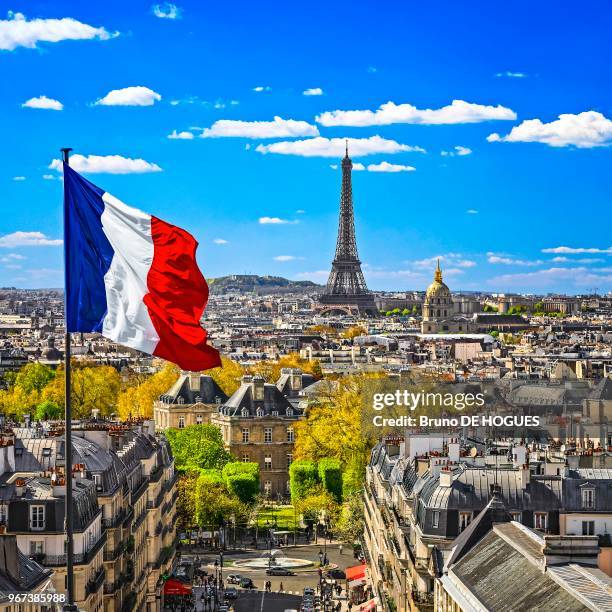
296	379
519	455
257	386
453	450
20	487
573	461
524	475
446	477
194	381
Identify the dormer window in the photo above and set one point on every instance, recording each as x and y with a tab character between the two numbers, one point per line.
588	498
289	412
37	517
260	412
244	412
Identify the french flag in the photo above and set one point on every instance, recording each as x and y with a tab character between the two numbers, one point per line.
133	277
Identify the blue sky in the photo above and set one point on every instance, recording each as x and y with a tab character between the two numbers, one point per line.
511	197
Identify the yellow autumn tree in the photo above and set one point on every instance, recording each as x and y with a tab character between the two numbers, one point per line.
353	332
136	401
228	376
94	387
333	429
271	370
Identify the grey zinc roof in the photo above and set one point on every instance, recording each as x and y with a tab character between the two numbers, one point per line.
471	489
208	391
273	400
505	580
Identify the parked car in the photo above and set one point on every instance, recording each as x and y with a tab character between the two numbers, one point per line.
246	583
336	574
309	591
279	571
233	578
231	593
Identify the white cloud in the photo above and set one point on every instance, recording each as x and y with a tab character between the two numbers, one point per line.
335	147
181	135
458	111
167	10
44	103
316	276
220	241
17	31
313	91
23	239
584	130
13	266
372	69
358	167
457	151
582	260
278	128
511	75
471	211
577	276
576	250
107	164
492	258
19	178
48	177
261	88
451	259
387	167
300	211
130	96
11	257
275	221
286	258
335	166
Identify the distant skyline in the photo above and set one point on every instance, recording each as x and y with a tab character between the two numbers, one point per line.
479	134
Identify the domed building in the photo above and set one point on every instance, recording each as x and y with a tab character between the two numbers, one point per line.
438	308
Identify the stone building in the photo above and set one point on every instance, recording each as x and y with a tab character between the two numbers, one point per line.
422	495
124	509
258	424
190	401
438	308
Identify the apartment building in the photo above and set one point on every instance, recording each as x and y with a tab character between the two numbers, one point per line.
125	504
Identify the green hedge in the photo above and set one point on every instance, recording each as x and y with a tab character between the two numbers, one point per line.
244	486
304	477
330	475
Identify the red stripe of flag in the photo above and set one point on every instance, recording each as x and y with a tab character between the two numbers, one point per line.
177	296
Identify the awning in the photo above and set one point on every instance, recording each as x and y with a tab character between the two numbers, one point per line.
368	606
355	583
355	573
176	587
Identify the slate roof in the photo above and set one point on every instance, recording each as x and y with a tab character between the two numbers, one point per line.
283	384
18	573
273	400
503	577
208	392
471	489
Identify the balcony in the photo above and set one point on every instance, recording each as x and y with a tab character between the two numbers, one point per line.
79	558
110	523
93	586
155	503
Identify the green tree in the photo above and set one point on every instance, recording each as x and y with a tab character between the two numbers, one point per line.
48	410
350	524
198	447
34	377
242	480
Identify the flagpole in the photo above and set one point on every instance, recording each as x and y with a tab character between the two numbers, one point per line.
69	605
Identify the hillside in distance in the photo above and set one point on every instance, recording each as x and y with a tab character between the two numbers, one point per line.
252	283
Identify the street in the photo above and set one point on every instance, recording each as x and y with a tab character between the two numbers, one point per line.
260	601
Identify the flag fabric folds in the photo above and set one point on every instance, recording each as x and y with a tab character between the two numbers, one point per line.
132	277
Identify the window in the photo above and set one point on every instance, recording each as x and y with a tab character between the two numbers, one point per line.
268	435
275	413
516	516
289	412
290	434
588	528
435	518
37	517
588	498
288	486
37	547
181	422
540	520
199	419
260	412
465	518
3	513
245	434
245	457
289	459
98	480
244	412
268	487
268	462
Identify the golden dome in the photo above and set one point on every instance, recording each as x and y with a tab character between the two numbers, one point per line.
438	288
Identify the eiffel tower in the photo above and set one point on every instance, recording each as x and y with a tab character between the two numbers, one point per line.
346	287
